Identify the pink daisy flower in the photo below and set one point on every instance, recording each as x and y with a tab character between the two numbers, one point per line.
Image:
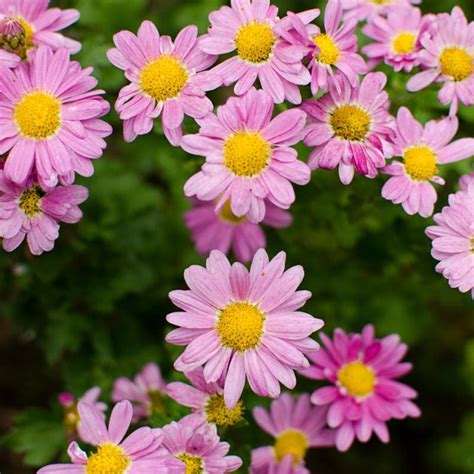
422	150
27	211
224	230
466	181
296	427
12	39
453	240
448	57
350	127
250	27
141	451
243	325
164	80
249	159
367	9
363	395
146	391
49	119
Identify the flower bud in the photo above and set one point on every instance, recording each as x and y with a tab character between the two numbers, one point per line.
12	36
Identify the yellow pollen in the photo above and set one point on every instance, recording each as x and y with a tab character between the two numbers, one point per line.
357	378
156	402
228	216
29	33
30	202
404	43
420	163
329	52
246	154
381	2
350	122
456	63
71	417
109	459
218	413
193	463
240	326
164	78
292	442
255	42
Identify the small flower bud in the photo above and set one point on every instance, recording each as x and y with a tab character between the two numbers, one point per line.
12	36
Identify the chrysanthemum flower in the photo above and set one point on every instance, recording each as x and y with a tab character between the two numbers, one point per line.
422	150
27	211
296	427
363	395
350	127
244	325
448	57
224	230
453	240
466	180
146	391
164	80
249	158
49	119
368	9
250	28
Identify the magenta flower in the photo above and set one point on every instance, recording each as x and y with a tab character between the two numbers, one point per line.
249	158
448	57
296	427
244	325
368	9
223	231
146	391
363	395
422	150
350	127
164	80
27	211
466	181
250	28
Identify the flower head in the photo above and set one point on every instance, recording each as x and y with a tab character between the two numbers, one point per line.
466	181
12	41
368	9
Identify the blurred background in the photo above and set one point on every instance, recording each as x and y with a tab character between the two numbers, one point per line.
94	308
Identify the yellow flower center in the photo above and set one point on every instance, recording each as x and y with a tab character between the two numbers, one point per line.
381	2
156	402
255	42
404	43
292	442
228	216
456	63
30	202
38	115
218	413
109	459
164	78
350	122
357	378
240	326
71	417
193	463
329	52
246	154
420	163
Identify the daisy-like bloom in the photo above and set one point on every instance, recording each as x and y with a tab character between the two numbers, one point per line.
296	427
350	128
363	394
453	240
49	119
422	150
12	39
249	158
164	80
250	27
140	452
146	391
466	180
448	57
28	211
367	9
224	230
244	325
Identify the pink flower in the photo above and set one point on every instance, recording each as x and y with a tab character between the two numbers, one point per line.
163	79
453	240
296	427
249	158
350	127
397	38
368	9
146	391
250	28
422	150
141	451
244	325
223	231
12	40
448	57
466	180
363	394
27	211
49	119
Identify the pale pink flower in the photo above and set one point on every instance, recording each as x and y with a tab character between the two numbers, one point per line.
164	80
422	150
466	180
367	9
243	325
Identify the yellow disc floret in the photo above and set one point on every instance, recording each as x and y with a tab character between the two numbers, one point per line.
456	63
404	43
193	463
218	413
30	202
255	42
357	378
109	459
328	51
420	163
350	122
228	216
292	442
